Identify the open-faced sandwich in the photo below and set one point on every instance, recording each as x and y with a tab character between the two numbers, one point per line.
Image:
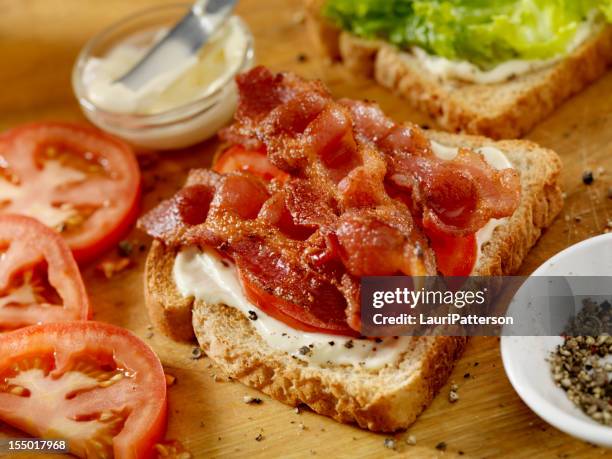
492	68
261	257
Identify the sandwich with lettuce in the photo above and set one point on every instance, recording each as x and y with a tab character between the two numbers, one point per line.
487	67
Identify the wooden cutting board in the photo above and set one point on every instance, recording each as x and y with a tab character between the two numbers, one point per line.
39	40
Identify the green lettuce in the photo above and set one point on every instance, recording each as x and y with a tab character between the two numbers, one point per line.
479	31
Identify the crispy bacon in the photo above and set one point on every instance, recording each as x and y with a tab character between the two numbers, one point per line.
169	220
361	194
457	196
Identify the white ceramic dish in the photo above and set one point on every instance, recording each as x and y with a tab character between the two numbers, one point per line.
524	357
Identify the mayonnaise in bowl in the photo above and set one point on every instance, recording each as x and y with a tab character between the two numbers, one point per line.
179	107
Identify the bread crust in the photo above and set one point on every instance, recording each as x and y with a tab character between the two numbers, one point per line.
168	310
379	401
500	110
385	400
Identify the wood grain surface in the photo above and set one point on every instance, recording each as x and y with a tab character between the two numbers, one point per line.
39	40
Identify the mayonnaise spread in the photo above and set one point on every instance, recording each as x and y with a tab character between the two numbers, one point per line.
200	75
202	275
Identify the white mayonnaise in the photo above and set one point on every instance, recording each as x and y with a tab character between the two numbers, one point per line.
447	69
199	76
203	275
496	159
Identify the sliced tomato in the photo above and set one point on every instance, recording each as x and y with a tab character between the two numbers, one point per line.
237	158
274	306
455	255
73	178
95	385
39	279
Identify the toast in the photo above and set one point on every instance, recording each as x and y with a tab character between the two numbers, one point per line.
388	399
500	110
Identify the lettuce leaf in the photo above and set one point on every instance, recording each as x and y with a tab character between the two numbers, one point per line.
606	8
480	31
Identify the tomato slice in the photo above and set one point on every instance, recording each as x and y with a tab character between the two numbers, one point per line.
39	279
455	255
237	158
270	305
73	178
95	385
274	306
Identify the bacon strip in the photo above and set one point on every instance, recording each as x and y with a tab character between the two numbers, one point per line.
455	197
360	192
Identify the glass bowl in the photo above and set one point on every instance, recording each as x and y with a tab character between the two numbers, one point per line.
178	127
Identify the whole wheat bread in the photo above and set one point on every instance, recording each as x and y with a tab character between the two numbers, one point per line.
500	110
384	400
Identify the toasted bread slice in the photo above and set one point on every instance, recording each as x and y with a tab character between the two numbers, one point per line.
500	110
384	400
